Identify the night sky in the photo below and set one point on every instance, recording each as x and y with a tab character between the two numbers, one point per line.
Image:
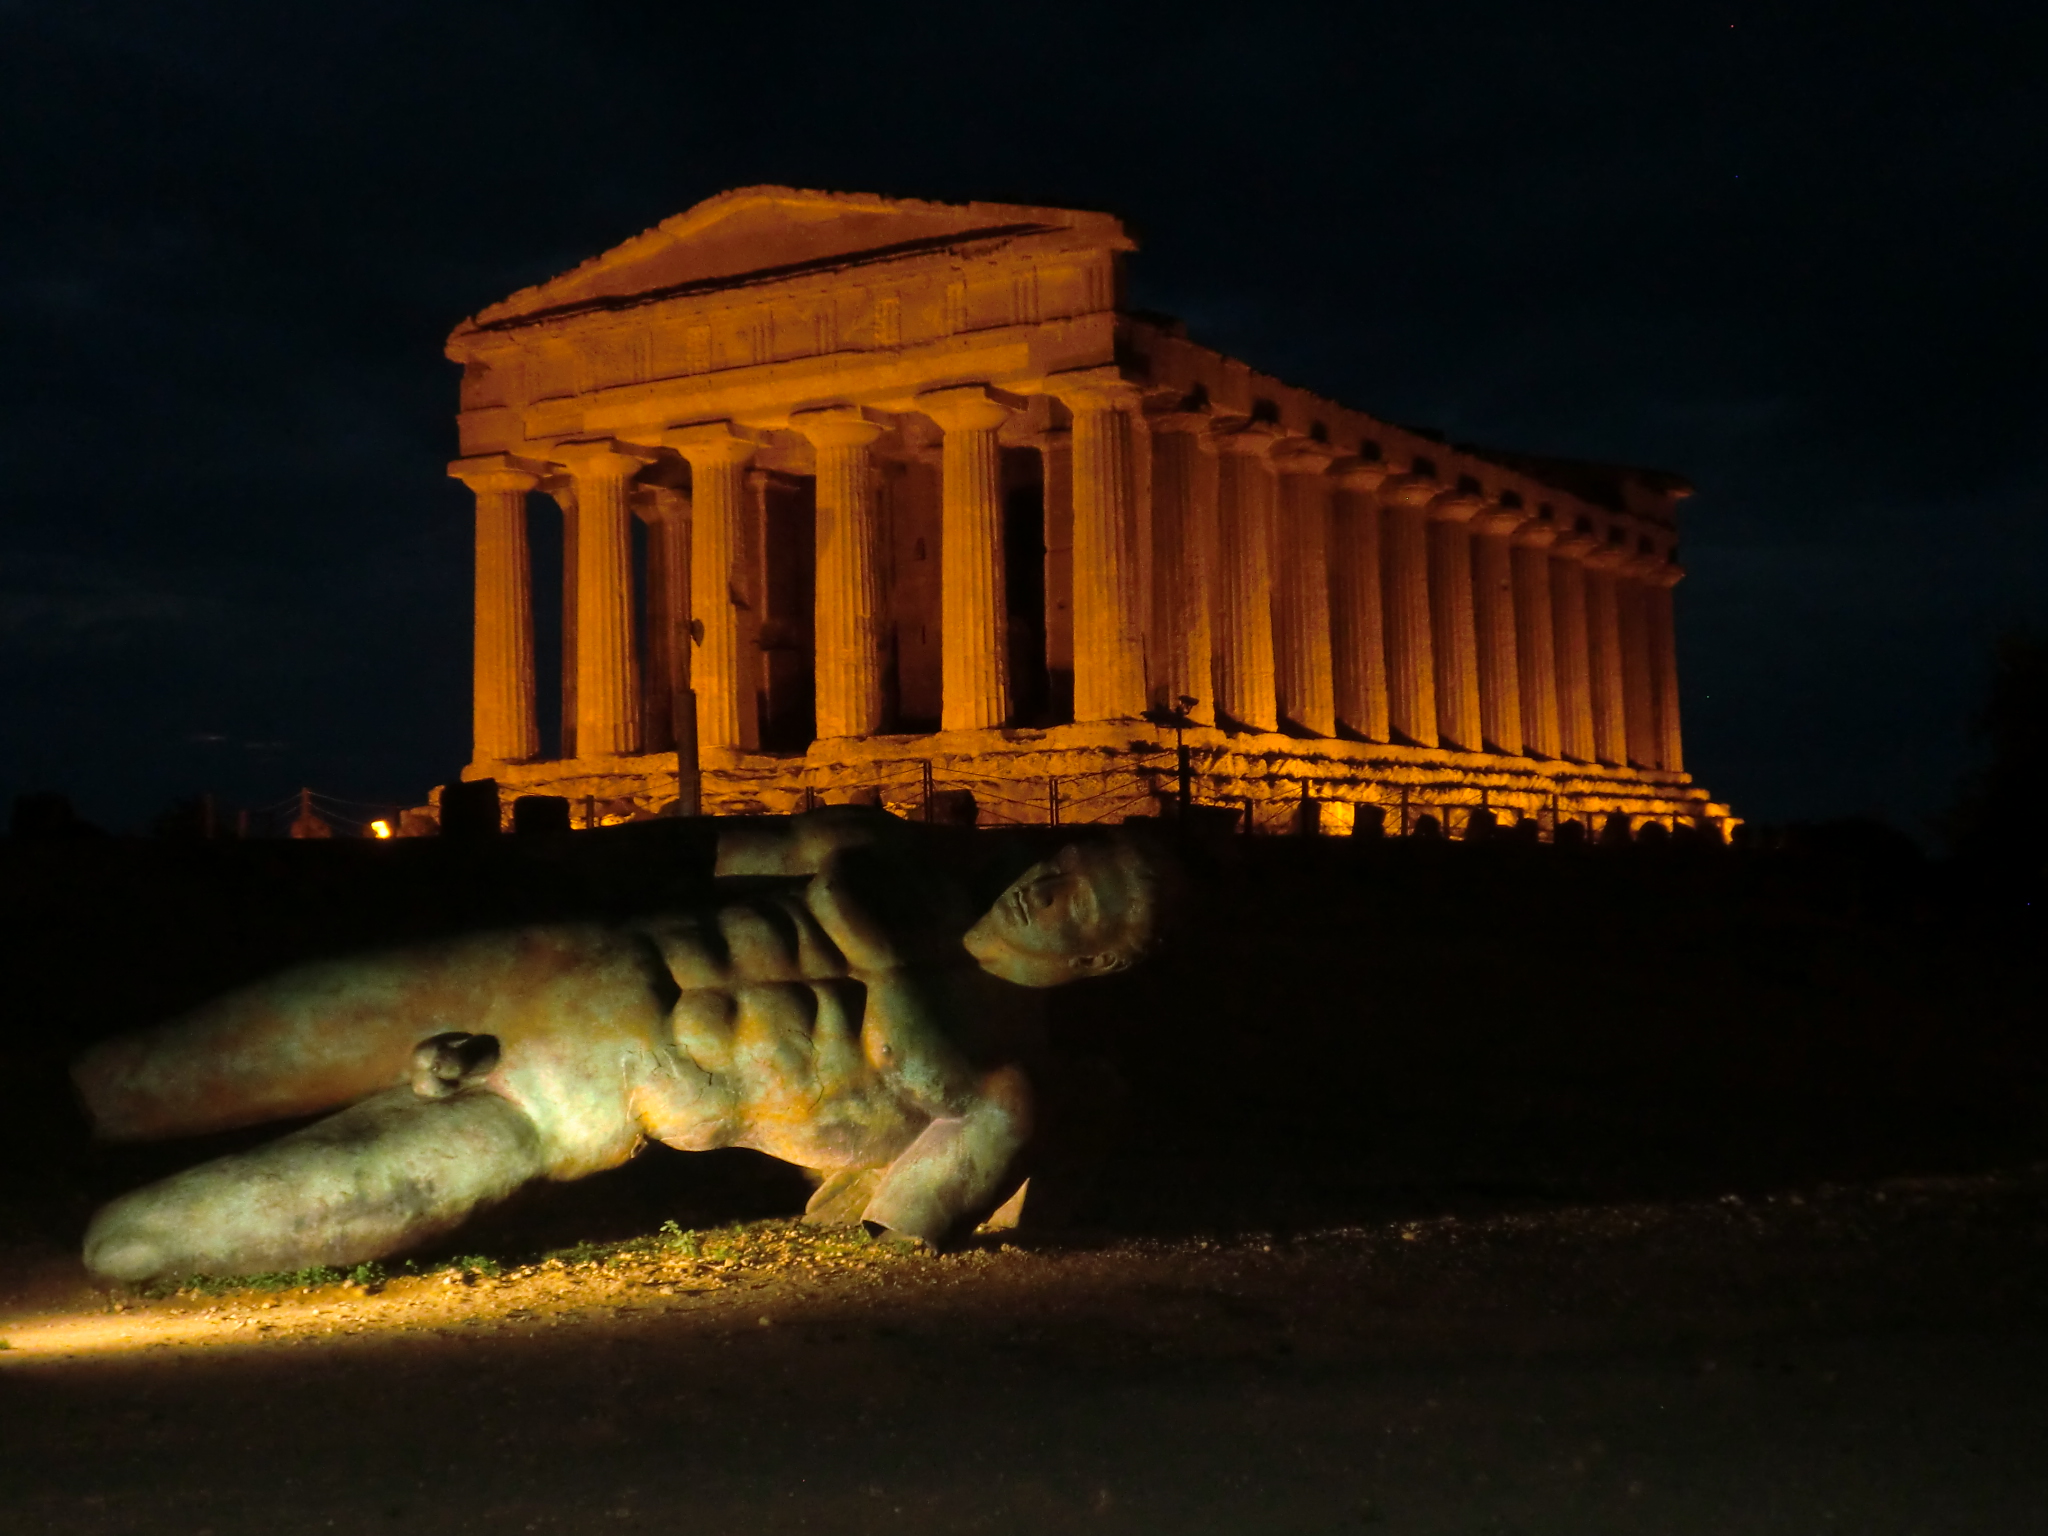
1798	259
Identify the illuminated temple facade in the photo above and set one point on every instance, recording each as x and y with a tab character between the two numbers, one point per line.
899	501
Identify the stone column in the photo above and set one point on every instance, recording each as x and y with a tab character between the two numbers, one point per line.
974	689
1535	637
727	719
607	668
1663	640
505	726
1304	687
848	620
1183	551
1576	739
1603	650
1357	630
1638	690
1109	639
1244	609
1411	659
1452	631
1493	615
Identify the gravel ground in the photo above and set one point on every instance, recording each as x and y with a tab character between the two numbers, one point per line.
1857	1358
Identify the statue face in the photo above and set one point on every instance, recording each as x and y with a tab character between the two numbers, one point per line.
1059	921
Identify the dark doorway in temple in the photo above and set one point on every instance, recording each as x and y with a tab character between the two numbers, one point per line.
788	584
1024	587
549	528
911	496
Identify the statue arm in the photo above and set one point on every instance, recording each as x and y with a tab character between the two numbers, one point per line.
805	843
955	1169
978	1113
923	999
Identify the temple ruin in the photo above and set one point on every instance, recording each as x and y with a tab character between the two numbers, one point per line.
897	501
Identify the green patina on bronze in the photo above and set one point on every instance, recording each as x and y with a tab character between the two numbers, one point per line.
836	1002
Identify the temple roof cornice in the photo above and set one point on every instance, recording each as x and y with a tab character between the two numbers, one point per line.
765	302
753	236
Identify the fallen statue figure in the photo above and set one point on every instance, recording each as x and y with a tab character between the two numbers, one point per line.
836	1003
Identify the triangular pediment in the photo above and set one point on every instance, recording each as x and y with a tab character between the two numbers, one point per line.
759	232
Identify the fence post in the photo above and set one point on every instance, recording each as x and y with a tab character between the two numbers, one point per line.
925	781
1052	800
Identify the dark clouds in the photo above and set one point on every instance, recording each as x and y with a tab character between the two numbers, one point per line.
1795	259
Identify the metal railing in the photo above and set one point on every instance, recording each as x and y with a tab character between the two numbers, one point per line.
920	790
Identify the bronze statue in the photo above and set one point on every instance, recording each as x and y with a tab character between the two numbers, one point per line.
837	1004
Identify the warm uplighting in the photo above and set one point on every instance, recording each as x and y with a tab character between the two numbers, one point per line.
380	829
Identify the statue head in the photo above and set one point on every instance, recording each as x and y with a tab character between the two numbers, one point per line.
1090	909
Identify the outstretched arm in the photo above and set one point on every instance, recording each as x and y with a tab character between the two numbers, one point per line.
802	844
956	1168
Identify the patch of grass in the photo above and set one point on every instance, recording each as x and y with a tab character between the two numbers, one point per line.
743	1244
365	1275
222	1285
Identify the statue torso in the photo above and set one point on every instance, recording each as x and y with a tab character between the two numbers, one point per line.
808	1015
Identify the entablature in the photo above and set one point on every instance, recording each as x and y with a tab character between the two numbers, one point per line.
691	323
1181	375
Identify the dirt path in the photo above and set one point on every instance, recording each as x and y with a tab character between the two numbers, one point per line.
1856	1359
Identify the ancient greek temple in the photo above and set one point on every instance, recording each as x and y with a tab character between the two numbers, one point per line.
899	502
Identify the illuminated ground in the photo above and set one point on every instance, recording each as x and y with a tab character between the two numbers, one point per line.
1853	1359
1482	1103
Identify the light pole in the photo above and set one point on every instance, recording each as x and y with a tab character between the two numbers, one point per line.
1180	752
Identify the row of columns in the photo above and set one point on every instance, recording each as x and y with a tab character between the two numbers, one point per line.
849	624
1349	600
1293	589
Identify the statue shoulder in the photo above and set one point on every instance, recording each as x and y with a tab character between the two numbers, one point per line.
886	911
803	844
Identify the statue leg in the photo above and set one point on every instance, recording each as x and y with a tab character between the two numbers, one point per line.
387	1174
318	1037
